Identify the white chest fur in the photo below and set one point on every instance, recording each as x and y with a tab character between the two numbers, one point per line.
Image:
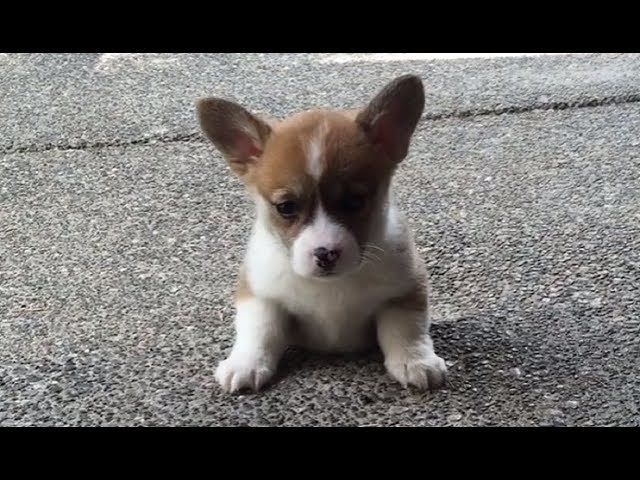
330	315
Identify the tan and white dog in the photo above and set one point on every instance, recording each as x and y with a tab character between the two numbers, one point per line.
330	264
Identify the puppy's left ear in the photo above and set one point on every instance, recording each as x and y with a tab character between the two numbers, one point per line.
391	117
238	134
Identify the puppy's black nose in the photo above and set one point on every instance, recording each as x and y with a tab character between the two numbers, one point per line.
326	259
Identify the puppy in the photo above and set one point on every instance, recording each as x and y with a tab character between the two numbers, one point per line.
330	264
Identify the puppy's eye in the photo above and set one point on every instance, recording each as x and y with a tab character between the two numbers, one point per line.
287	209
353	202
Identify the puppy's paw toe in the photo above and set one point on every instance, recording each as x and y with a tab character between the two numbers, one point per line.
427	372
235	374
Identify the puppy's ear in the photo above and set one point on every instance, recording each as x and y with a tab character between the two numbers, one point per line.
236	133
391	117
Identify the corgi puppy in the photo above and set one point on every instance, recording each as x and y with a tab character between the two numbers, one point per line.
330	264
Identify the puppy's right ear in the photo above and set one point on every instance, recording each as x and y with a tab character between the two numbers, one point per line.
235	132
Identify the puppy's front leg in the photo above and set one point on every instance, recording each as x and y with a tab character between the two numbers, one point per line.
403	336
259	344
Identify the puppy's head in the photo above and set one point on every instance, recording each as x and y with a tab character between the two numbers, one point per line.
319	178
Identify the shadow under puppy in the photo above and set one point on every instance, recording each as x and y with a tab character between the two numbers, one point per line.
331	264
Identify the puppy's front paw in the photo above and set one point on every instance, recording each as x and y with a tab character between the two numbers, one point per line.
428	371
237	373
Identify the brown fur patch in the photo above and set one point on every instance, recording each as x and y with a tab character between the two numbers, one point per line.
281	175
243	290
354	169
415	300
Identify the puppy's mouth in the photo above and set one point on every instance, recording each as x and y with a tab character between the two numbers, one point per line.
333	273
325	273
328	274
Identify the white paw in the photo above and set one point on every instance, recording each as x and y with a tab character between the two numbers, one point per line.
237	373
424	372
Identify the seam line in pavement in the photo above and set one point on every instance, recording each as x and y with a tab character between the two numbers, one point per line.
594	102
197	137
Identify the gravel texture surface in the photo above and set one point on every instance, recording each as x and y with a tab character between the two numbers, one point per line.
118	254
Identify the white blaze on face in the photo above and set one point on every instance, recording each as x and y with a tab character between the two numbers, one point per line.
314	149
324	232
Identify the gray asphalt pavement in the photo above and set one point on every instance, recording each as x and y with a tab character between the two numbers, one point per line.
121	232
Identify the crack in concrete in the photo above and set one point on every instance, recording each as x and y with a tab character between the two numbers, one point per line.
86	145
515	109
197	137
